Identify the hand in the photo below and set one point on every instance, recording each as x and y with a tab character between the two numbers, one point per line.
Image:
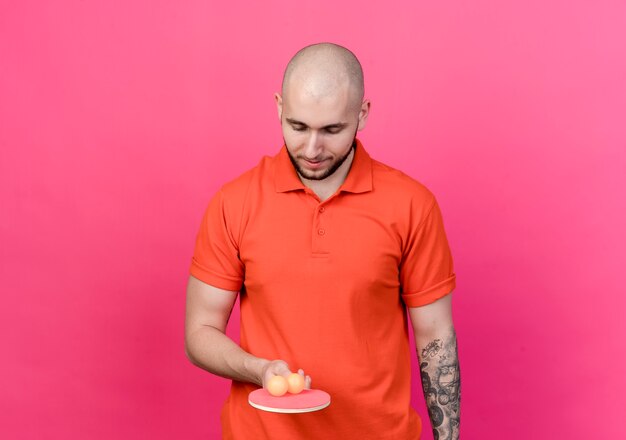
280	368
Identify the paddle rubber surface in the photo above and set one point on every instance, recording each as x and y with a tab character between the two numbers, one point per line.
306	401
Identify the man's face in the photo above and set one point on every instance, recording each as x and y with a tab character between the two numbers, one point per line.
319	131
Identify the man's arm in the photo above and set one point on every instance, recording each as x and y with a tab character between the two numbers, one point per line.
207	346
435	339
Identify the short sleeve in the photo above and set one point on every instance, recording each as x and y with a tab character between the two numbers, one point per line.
426	272
216	256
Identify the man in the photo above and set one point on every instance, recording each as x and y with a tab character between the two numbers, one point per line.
328	249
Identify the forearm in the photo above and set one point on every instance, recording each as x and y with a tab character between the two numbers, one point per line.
213	351
441	381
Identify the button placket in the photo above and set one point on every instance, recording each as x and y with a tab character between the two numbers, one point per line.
320	230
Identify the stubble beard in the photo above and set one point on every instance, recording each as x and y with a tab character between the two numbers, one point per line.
328	172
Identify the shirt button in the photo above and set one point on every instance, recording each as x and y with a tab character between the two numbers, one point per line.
321	232
322	209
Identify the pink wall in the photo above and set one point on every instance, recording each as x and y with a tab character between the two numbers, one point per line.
118	121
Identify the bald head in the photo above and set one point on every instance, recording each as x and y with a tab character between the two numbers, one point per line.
322	69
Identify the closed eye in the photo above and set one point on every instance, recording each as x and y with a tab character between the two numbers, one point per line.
296	125
333	130
329	129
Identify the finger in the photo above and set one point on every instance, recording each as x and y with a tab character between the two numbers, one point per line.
275	368
307	383
285	371
301	372
281	369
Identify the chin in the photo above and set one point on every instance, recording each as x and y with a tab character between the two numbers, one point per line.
314	175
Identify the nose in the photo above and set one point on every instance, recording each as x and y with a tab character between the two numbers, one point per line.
312	149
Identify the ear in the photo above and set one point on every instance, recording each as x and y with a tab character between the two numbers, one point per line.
363	114
279	105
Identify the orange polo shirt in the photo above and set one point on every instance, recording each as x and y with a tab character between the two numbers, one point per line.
323	286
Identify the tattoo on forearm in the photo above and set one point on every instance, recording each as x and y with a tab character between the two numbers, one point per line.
432	349
441	381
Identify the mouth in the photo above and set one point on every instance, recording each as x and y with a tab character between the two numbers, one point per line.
314	164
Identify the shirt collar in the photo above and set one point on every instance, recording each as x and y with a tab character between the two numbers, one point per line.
358	180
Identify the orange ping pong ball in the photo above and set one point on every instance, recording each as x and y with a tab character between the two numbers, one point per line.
295	383
277	386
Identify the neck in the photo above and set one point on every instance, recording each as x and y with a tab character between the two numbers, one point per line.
329	186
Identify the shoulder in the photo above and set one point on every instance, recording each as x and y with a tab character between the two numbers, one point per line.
237	189
231	197
230	203
400	188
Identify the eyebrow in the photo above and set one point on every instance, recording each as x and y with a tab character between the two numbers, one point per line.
325	127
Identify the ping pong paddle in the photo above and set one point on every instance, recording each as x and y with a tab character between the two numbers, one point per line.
305	401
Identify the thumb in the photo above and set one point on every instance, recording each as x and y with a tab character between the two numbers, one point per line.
282	369
275	368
